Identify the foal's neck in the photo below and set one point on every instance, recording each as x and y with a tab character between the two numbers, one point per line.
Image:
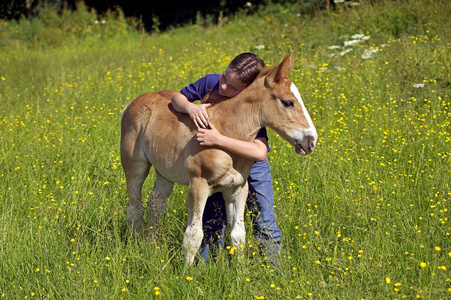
237	117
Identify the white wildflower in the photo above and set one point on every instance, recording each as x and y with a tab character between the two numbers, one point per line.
351	42
368	53
357	36
260	47
346	51
418	85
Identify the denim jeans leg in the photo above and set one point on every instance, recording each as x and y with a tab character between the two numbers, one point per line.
214	224
261	206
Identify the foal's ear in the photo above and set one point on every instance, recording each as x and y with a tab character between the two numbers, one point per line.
281	71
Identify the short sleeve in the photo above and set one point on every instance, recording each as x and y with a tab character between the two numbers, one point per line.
197	90
263	133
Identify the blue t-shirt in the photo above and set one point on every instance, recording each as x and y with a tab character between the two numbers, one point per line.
197	91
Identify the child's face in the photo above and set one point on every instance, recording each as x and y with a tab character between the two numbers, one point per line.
229	85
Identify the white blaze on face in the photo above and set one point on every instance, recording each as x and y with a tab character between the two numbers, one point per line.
296	93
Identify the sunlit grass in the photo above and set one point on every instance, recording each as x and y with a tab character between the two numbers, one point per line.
365	216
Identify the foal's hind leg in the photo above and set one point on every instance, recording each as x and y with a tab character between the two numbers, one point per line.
157	200
136	168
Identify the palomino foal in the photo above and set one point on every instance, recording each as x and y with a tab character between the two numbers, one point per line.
153	133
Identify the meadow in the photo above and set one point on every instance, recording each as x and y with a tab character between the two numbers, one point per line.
366	216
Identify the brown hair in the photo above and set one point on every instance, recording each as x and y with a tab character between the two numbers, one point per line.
247	66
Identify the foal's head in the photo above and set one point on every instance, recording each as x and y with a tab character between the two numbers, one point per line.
283	109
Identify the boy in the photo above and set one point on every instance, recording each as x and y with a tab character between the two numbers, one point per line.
241	72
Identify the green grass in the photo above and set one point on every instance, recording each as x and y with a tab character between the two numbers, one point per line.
366	216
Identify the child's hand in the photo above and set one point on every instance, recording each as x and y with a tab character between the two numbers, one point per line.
198	113
208	137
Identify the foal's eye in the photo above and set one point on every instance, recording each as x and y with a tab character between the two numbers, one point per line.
287	103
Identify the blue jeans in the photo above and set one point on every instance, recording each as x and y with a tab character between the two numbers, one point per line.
260	204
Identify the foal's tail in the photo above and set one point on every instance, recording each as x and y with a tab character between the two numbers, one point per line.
123	111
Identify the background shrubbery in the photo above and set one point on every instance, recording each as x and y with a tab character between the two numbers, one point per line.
159	15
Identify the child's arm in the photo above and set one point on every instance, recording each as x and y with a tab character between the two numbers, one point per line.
197	112
255	150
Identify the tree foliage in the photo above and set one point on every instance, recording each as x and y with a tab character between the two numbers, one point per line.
158	15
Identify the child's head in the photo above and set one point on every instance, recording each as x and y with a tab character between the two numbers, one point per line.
247	66
241	72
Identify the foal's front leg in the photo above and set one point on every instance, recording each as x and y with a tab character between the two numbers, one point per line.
198	192
235	205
